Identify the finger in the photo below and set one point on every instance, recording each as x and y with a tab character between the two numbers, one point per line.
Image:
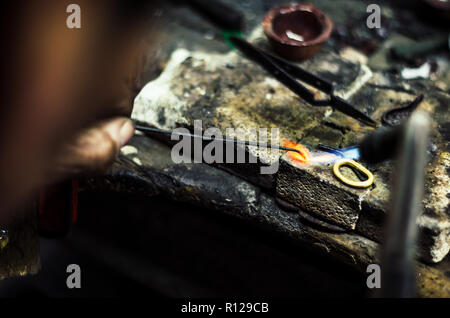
93	150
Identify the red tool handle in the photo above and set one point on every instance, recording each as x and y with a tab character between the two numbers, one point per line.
58	208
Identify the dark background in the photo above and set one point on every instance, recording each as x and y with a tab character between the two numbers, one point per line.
179	251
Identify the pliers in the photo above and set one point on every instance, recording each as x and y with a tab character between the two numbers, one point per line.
289	74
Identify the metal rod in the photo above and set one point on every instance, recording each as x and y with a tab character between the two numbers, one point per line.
235	141
398	272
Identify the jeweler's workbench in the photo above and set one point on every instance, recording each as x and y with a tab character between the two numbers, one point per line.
202	79
225	90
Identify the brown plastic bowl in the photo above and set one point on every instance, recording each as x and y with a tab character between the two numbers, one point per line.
297	31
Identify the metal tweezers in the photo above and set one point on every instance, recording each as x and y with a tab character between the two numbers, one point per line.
289	74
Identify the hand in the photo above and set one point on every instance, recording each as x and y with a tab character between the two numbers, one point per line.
67	95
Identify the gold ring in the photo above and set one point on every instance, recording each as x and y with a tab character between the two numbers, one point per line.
354	164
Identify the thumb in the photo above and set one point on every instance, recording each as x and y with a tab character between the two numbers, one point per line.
93	150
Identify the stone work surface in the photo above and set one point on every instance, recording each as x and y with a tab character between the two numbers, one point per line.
145	167
21	255
228	91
